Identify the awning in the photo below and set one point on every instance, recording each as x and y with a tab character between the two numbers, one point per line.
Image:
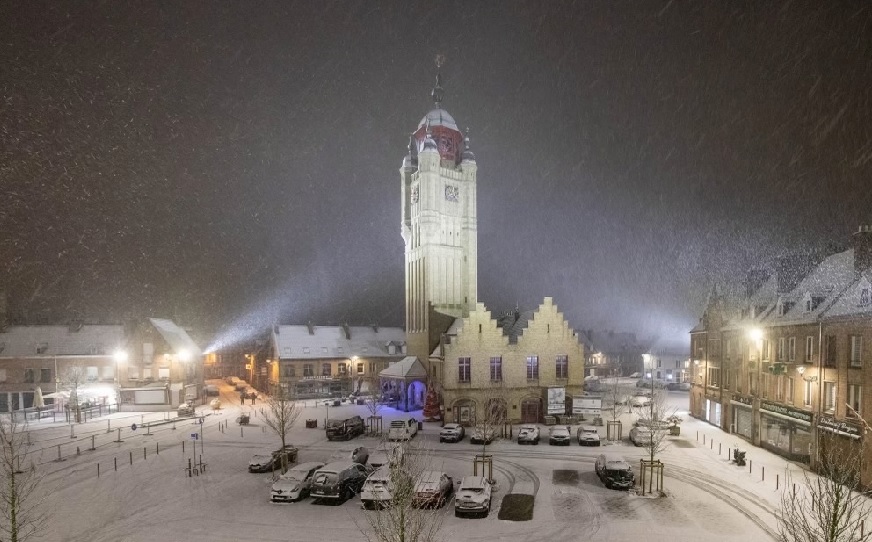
783	417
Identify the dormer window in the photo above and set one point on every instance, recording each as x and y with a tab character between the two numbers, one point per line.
864	297
41	348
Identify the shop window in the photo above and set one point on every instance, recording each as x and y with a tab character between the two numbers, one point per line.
561	368
463	369
855	400
829	396
496	369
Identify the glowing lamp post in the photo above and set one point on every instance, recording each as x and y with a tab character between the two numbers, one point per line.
120	356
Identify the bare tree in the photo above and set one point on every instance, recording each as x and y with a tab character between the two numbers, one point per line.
373	402
657	417
832	507
280	415
615	395
490	416
72	380
20	500
399	519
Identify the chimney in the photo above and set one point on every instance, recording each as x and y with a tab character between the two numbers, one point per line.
863	248
311	327
347	331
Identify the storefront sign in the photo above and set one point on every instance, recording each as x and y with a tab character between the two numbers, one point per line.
794	413
840	427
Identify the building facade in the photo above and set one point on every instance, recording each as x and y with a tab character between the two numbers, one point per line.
785	365
146	365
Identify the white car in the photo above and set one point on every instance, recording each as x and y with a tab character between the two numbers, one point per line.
294	484
387	454
473	496
377	490
640	401
528	434
482	436
588	436
641	436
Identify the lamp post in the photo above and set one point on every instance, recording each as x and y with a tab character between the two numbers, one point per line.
185	357
120	356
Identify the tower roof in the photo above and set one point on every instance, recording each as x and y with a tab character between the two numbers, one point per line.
439	117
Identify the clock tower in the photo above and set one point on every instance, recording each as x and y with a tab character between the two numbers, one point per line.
439	228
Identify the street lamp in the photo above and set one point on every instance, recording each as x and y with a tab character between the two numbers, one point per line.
120	356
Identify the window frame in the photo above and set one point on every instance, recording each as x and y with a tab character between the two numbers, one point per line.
561	366
496	369
855	357
532	367
464	370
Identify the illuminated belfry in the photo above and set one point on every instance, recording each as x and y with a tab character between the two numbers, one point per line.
439	226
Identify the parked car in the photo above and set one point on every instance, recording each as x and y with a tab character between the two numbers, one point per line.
272	461
339	481
386	454
345	429
432	488
641	436
211	390
473	496
614	471
640	400
294	485
559	436
451	432
678	386
588	436
378	489
646	383
403	429
528	434
482	435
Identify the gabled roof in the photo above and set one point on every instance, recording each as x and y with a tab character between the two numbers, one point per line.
313	342
176	337
852	302
50	341
408	368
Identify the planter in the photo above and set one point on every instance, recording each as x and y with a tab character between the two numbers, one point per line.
675	430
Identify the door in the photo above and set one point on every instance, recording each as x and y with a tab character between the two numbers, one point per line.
530	411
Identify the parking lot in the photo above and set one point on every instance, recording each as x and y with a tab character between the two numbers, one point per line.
154	498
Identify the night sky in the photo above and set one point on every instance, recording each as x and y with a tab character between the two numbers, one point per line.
236	164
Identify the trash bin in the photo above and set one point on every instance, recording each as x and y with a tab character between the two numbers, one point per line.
420	426
310	424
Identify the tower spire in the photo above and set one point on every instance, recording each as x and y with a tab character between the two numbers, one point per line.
438	92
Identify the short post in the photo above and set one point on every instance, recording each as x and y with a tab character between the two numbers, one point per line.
143	452
750	466
183	446
711	445
119	435
148	433
703	439
240	431
697	436
78	451
108	426
115	462
59	452
189	467
719	449
131	458
763	473
777	481
794	491
72	431
98	470
157	448
93	442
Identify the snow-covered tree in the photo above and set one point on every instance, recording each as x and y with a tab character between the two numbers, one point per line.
280	415
832	506
20	499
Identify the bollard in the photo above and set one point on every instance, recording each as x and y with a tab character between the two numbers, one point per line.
794	491
143	453
115	462
763	473
157	448
119	435
72	431
78	452
703	439
59	452
148	433
131	458
98	470
697	436
719	449
183	446
108	426
189	467
777	481
750	466
174	425
142	419
240	431
711	445
93	443
862	528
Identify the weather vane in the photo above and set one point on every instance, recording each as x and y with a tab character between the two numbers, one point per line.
437	92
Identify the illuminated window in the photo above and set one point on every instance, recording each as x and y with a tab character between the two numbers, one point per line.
360	368
829	396
532	367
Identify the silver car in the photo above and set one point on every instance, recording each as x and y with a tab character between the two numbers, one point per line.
473	496
559	436
386	454
294	484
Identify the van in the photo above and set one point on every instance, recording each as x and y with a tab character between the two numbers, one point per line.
338	481
403	429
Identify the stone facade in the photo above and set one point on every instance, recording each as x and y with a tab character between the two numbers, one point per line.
547	336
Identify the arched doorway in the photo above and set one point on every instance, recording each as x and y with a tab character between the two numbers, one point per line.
463	411
416	392
531	410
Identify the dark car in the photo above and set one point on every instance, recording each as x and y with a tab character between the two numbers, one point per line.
272	461
559	436
345	429
614	471
338	481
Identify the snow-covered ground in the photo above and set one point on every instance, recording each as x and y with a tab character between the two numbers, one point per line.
151	497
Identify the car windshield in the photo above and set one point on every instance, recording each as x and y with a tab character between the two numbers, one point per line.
325	477
472	489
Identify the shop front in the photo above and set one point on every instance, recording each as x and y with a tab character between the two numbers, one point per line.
742	420
786	431
712	412
840	442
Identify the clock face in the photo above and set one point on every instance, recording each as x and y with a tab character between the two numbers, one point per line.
415	194
451	193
